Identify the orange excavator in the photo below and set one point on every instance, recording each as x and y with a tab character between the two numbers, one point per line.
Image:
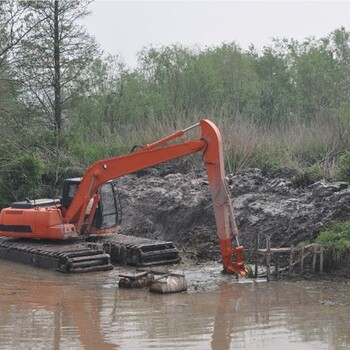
80	211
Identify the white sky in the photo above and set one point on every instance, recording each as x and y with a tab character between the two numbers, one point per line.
125	27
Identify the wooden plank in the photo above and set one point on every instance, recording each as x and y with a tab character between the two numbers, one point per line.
287	249
275	250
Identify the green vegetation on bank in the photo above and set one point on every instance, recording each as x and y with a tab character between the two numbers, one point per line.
286	107
337	238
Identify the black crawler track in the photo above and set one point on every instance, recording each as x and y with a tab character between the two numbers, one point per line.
89	254
68	257
137	251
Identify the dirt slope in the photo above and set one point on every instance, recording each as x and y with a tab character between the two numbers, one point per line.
178	207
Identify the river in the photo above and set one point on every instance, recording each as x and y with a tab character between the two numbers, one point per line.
47	310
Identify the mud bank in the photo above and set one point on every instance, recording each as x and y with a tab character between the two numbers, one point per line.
178	207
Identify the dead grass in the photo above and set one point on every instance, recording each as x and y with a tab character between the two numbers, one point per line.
293	144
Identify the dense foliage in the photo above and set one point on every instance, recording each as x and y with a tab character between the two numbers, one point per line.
283	107
337	238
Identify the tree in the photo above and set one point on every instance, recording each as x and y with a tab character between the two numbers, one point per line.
12	26
13	29
277	95
51	58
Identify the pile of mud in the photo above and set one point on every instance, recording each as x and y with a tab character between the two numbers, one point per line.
178	207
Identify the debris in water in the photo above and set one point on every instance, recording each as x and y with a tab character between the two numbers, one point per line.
140	280
165	282
169	283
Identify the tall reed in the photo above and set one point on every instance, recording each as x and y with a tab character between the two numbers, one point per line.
291	144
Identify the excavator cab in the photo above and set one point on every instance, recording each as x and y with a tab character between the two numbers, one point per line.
108	212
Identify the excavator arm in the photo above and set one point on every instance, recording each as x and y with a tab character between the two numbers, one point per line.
225	221
210	144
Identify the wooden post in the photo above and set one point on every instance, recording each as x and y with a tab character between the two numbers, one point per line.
302	258
291	261
268	258
277	262
321	260
314	257
257	242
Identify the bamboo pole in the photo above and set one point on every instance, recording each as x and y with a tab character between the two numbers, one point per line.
314	258
257	255
321	260
277	263
268	258
291	261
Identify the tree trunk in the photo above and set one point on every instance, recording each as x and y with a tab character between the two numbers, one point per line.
57	87
57	78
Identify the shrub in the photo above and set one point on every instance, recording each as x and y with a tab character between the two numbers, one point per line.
338	239
20	177
344	167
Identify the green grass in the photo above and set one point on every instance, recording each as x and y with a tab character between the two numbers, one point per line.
338	240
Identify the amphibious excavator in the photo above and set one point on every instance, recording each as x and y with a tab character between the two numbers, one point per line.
78	232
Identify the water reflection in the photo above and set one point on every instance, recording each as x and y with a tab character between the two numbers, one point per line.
40	312
46	310
301	315
227	316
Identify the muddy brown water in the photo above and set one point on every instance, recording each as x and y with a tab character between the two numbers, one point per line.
47	310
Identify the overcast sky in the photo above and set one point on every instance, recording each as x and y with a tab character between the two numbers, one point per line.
125	27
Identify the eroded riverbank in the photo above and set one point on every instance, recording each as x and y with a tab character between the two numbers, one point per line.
161	204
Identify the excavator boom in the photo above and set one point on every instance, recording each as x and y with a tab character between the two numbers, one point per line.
60	222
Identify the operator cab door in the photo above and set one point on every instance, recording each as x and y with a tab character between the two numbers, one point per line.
108	211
